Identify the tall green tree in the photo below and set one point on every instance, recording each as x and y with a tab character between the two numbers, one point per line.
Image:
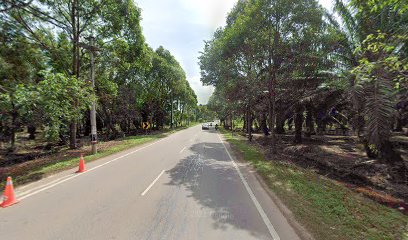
376	58
20	61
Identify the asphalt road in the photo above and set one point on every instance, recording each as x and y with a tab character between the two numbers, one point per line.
184	186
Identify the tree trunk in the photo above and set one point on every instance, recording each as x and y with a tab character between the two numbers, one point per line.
371	153
263	124
309	123
72	137
2	134
232	123
129	124
388	153
272	109
75	64
13	129
319	122
244	127
290	123
31	129
181	116
249	123
398	127
399	169
280	124
298	126
87	125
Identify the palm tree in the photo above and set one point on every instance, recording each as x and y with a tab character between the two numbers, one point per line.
370	38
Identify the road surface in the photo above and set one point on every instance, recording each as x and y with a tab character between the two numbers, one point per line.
184	186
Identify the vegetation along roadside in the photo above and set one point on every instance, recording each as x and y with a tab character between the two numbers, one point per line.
325	207
44	166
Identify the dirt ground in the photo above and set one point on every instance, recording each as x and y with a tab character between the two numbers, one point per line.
337	157
31	154
342	159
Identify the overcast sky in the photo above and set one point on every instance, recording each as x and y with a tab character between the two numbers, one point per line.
181	26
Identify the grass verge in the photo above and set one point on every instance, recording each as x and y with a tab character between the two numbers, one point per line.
50	165
326	208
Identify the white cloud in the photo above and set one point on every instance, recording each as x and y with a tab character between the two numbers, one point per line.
203	92
181	26
211	13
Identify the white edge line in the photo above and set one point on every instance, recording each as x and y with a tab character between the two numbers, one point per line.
258	206
151	185
22	193
72	176
184	148
48	187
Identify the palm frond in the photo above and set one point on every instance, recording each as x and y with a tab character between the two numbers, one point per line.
357	96
379	109
350	23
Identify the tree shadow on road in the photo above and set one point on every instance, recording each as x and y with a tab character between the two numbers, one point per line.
211	180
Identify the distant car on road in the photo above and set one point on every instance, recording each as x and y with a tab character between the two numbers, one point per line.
205	126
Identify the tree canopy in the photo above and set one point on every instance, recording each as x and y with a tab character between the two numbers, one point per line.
45	71
280	63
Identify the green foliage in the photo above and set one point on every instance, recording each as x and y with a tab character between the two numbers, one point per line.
271	53
133	82
306	59
381	68
62	99
328	209
378	5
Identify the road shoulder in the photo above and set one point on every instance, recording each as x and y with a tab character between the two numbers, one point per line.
68	172
273	205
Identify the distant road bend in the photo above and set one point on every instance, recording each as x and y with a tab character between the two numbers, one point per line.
185	186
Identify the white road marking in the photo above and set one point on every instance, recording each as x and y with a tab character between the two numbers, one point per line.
258	206
20	194
184	148
72	176
26	186
151	185
48	187
58	181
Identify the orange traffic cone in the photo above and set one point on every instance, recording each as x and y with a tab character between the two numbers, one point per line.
8	195
81	165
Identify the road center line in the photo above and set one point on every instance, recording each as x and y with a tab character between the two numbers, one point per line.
184	148
258	206
58	181
63	179
151	185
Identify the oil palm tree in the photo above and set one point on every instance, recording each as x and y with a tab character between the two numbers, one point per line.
373	48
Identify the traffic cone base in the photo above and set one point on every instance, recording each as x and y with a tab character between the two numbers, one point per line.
4	205
81	168
8	195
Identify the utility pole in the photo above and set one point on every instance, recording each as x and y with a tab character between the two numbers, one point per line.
92	49
94	136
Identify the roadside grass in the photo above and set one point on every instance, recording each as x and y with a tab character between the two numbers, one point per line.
326	208
47	168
